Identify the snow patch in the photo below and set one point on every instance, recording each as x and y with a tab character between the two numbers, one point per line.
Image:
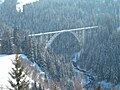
105	85
5	67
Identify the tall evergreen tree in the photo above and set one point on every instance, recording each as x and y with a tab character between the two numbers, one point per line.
6	45
18	75
26	50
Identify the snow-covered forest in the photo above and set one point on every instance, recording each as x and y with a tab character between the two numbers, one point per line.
71	62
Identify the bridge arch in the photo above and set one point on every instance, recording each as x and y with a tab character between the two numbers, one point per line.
57	34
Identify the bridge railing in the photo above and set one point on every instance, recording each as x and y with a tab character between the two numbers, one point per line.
69	30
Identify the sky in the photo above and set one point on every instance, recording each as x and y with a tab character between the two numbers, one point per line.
26	1
23	2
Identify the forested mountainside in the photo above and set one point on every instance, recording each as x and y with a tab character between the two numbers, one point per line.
98	59
42	16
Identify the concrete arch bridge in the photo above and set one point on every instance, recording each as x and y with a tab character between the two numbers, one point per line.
79	33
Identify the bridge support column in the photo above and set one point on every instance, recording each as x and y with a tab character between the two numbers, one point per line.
41	39
83	38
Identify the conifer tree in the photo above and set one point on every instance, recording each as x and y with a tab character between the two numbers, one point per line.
98	88
35	87
18	76
6	45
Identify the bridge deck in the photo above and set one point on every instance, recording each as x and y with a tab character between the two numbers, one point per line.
70	30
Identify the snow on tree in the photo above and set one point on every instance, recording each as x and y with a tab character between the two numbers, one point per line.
19	79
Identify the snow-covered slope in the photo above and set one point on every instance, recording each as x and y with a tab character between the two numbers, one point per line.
6	65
